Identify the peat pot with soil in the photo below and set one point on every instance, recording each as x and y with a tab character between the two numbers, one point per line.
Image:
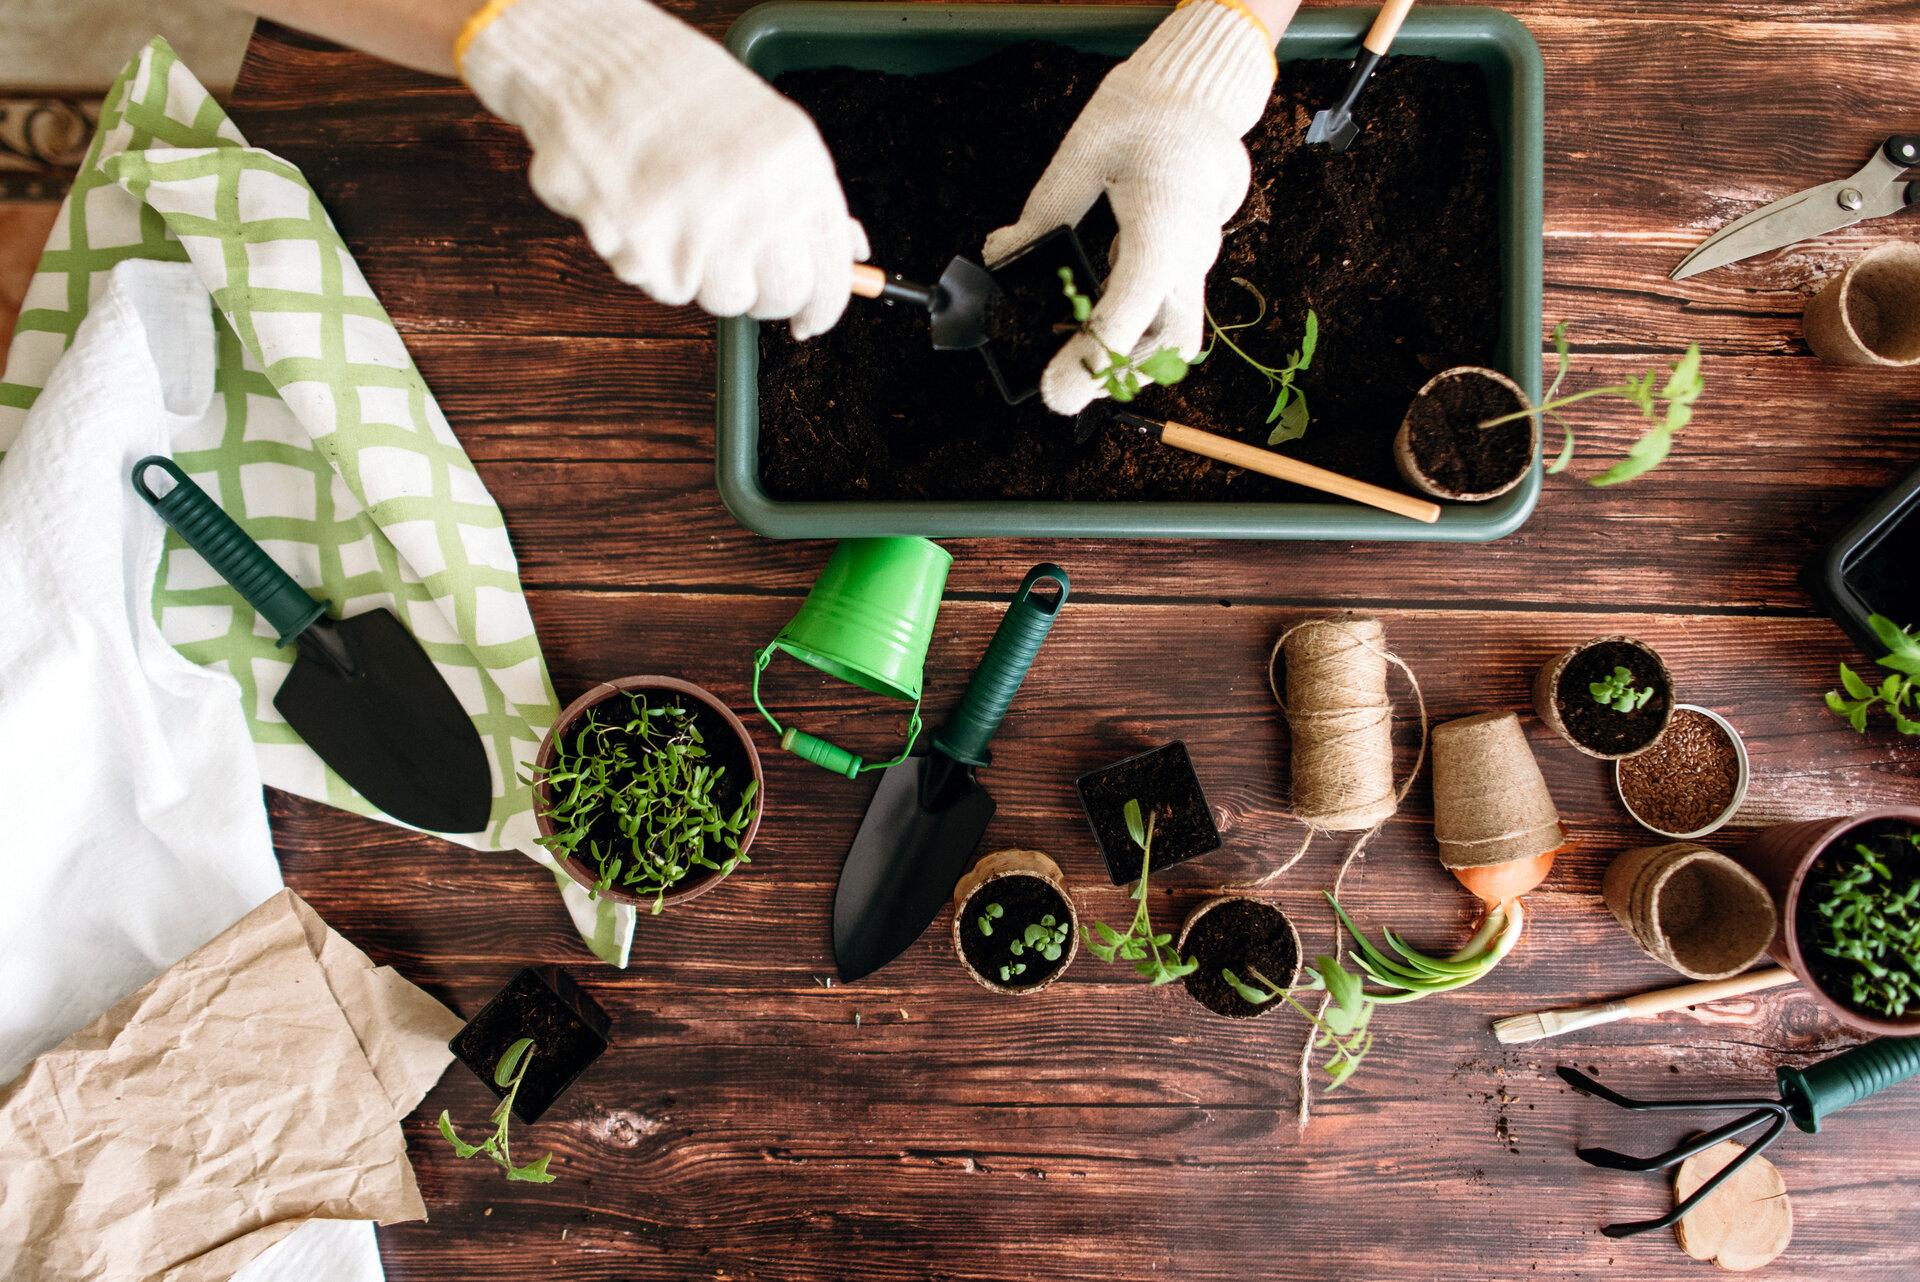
1243	948
648	790
1014	927
1443	449
1610	697
1849	913
1345	282
1166	790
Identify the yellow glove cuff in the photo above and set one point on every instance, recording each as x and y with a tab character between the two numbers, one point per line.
1236	5
482	18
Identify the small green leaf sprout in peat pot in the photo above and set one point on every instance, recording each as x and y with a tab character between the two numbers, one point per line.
1045	939
1123	374
1289	416
1866	907
1013	923
1616	691
1150	953
507	1074
1898	692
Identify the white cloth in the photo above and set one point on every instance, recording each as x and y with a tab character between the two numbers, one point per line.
1160	138
691	176
130	803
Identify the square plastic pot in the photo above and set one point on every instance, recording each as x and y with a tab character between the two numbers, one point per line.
915	38
569	1031
1840	581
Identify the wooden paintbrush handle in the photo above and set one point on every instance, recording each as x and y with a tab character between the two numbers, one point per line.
1268	463
1386	26
1712	990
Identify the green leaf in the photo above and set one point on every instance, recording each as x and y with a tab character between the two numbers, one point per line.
460	1147
1646	454
534	1172
1136	827
1247	992
1308	341
1559	464
1562	352
1343	986
1854	685
503	1071
1165	366
1293	421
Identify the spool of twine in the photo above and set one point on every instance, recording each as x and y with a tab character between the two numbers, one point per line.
1490	802
1341	722
1692	908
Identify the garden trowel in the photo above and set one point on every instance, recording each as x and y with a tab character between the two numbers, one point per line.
1335	127
362	693
929	812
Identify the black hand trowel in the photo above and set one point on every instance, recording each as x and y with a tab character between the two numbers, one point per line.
929	813
362	692
1335	127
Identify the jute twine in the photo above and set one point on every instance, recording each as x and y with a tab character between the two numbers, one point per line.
1341	725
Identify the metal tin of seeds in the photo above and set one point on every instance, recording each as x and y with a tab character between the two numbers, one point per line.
1739	786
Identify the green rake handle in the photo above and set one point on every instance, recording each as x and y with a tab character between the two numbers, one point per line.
1811	1093
1010	654
234	555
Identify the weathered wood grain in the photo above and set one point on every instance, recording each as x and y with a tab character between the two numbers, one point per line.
753	1123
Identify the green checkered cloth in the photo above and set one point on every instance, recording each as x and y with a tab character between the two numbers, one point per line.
323	441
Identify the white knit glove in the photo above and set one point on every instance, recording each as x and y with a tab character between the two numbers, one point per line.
691	176
1161	138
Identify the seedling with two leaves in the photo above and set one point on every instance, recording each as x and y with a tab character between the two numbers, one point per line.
507	1074
1046	938
1618	692
1151	954
1898	692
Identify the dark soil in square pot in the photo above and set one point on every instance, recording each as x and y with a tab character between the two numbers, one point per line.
994	905
1562	695
1244	936
1442	450
1165	785
568	1028
1395	245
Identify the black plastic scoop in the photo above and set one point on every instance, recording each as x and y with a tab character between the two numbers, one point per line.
362	692
929	812
968	308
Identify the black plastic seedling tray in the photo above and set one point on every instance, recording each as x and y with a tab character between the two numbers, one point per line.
569	1031
1162	781
1873	566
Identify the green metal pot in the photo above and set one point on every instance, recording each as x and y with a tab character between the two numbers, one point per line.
789	35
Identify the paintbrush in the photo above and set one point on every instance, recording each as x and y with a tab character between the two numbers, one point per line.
1552	1023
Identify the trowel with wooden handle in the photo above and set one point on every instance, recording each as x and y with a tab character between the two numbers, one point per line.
1335	127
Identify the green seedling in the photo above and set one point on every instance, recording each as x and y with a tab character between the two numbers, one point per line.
1150	954
508	1074
1617	692
636	797
1007	973
1289	416
1123	374
1046	937
1898	692
1869	922
1669	410
989	915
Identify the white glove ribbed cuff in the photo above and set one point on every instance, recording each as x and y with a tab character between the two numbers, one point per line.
540	53
1215	57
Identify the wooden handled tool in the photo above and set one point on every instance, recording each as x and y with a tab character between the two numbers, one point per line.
1279	466
1552	1023
1386	25
1335	127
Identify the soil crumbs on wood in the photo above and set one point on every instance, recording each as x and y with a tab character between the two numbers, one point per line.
1395	243
1454	450
1023	902
1244	937
1598	726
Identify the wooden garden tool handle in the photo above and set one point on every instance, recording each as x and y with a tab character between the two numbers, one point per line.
876	282
1386	26
868	281
1712	990
1268	463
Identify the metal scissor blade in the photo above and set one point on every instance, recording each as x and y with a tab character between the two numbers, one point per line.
1817	211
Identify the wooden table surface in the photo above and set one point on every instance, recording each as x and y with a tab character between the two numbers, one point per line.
751	1123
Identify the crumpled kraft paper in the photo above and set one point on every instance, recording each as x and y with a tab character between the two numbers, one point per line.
256	1085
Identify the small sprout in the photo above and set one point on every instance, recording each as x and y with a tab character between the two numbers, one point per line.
508	1073
1617	692
1289	415
1869	922
1898	692
990	914
1122	377
1008	972
1149	952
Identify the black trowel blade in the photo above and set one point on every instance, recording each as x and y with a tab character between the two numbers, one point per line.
1336	132
388	724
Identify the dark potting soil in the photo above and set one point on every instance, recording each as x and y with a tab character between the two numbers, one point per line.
1024	901
1891	844
568	1028
1032	315
1164	784
1395	243
1454	450
1598	726
1242	936
1687	779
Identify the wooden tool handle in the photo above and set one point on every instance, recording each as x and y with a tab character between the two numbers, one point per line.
1386	26
1712	990
868	281
1267	463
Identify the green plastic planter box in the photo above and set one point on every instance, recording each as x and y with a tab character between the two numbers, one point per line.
791	34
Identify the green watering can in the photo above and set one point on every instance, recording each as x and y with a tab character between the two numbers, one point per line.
868	622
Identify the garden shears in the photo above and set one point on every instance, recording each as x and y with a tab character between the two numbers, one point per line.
1880	188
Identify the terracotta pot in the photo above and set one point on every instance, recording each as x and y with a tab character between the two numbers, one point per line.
1870	313
1547	681
1691	908
1286	981
1409	464
695	883
1781	857
995	867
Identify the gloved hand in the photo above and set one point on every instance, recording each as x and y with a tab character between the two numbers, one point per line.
1161	138
691	176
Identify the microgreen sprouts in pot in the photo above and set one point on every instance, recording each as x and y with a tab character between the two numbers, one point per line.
1616	691
1669	410
1123	373
1151	954
1898	693
507	1073
1045	938
635	795
1869	924
1289	415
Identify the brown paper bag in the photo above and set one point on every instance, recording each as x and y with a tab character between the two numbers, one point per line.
257	1084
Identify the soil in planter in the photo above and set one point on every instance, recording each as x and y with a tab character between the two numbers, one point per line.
1164	784
565	1039
1031	317
1687	779
1454	450
1889	842
1598	726
1025	901
1394	243
1243	937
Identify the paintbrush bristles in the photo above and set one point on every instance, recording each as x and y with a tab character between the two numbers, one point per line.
1519	1028
1552	1023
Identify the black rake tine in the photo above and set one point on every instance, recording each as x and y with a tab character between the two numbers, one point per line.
1700	1194
1613	1160
1589	1086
